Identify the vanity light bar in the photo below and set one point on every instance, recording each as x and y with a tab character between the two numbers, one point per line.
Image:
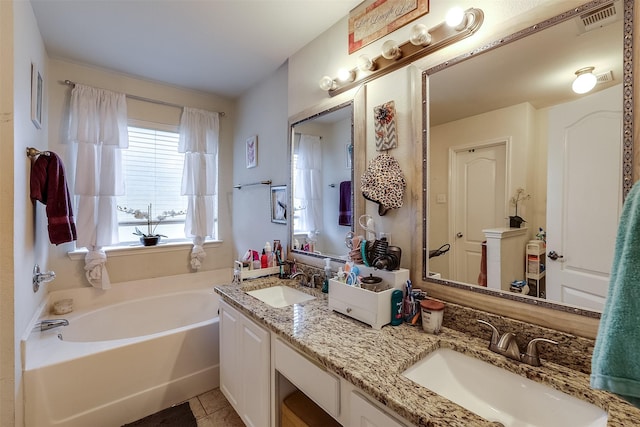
442	35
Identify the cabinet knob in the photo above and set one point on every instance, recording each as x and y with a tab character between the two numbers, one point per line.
348	309
459	235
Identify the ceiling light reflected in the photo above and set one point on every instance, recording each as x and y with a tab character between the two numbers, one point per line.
585	80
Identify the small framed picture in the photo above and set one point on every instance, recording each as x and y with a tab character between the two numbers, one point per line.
252	151
37	83
279	204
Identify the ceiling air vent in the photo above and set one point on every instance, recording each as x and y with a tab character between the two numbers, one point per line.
605	77
596	18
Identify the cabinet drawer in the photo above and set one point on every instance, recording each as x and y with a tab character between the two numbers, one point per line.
364	413
352	310
322	387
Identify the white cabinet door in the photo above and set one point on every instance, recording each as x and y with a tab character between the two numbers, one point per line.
365	414
255	366
230	377
244	366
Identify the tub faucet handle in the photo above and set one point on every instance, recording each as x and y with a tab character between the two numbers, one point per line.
41	277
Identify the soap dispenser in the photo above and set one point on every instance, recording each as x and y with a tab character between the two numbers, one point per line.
327	275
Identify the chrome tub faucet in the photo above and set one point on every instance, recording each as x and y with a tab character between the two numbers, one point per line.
507	346
45	325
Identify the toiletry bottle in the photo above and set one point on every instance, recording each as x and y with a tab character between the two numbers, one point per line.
264	262
267	250
327	275
396	307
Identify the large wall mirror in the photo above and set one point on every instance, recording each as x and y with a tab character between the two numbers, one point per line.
324	173
502	123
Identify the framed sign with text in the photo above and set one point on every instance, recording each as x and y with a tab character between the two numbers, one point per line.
374	19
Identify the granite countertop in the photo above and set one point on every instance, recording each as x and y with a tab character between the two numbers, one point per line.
373	360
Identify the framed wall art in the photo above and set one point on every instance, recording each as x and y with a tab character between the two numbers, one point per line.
37	88
279	204
252	151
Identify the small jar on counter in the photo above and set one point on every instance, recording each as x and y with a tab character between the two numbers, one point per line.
432	313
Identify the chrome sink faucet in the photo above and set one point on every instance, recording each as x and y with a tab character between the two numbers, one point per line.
506	345
305	280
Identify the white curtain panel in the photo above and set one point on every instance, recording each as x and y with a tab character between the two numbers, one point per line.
98	126
308	183
199	134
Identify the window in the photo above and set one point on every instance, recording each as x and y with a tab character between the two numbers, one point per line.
152	167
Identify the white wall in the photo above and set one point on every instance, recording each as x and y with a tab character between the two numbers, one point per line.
263	112
27	244
7	344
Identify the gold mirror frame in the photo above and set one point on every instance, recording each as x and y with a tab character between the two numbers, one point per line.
628	141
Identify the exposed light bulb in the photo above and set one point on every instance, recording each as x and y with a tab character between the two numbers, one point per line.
391	50
456	18
327	83
420	35
585	80
365	63
345	75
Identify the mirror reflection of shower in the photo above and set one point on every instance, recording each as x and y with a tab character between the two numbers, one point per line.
321	182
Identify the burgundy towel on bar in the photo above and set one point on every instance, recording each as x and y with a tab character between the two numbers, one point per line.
344	216
49	186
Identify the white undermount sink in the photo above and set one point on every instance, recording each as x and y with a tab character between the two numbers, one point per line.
280	296
499	395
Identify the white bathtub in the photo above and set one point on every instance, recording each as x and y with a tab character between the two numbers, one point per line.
128	352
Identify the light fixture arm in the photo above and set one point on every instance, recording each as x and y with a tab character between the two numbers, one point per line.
442	36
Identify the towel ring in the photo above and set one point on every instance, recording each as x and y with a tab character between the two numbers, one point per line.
34	152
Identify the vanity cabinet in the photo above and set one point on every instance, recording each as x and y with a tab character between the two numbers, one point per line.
245	366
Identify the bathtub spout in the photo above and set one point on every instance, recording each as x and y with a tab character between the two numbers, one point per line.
45	325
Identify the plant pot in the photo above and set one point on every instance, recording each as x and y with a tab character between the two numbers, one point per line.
515	221
149	240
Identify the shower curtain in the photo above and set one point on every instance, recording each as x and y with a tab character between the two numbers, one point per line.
308	184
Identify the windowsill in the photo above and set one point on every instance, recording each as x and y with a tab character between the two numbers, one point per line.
138	249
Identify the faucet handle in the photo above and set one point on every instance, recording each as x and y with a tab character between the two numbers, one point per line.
495	335
532	357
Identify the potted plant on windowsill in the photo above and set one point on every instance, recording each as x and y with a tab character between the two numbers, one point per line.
150	238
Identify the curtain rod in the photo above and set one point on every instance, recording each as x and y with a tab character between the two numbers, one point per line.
300	133
141	98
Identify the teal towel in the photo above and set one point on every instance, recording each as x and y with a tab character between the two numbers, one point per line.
615	365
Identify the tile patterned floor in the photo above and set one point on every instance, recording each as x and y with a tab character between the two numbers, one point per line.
212	409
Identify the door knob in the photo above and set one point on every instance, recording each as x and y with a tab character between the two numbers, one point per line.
553	255
459	235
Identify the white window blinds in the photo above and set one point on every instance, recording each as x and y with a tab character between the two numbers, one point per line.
153	172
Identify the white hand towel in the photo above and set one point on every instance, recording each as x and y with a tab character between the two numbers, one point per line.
95	268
